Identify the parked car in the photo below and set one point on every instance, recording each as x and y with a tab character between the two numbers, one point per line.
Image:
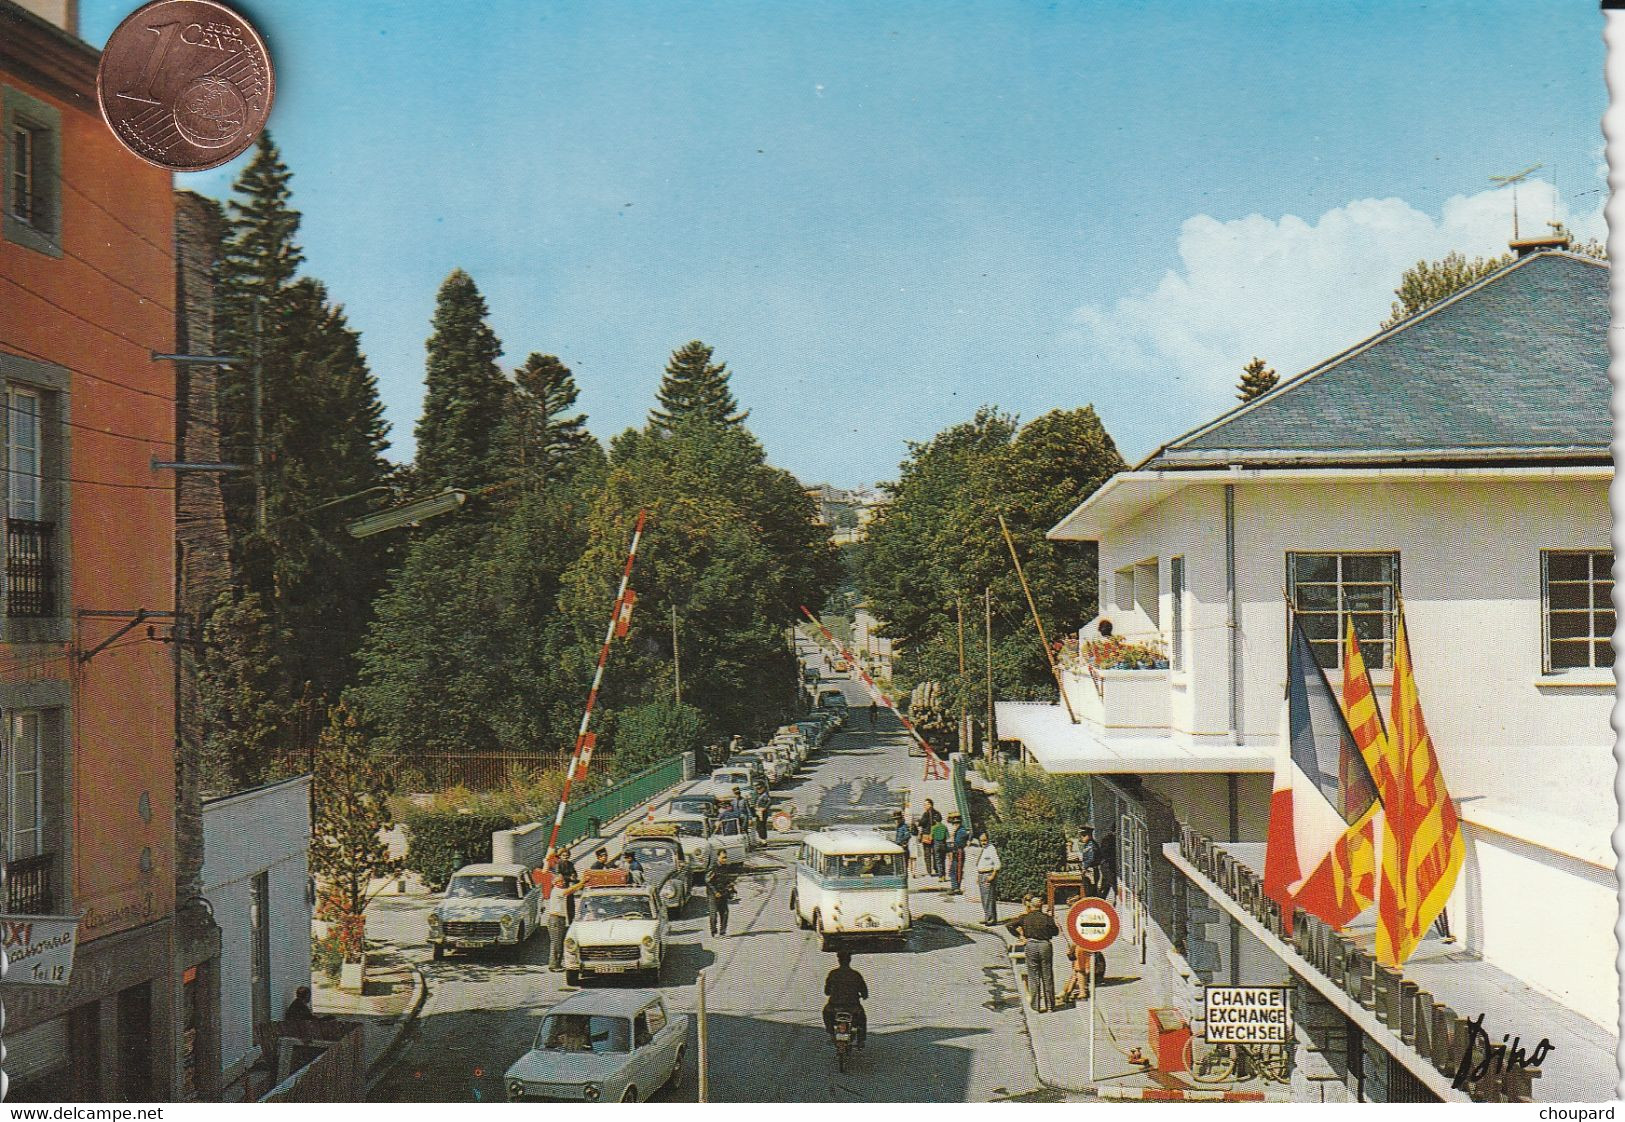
665	867
602	1046
841	666
734	837
485	906
617	930
773	765
702	803
743	775
832	699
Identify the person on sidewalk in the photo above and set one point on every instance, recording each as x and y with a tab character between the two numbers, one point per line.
1078	983
719	887
1108	865
929	817
1089	858
987	874
557	913
1036	929
939	848
956	853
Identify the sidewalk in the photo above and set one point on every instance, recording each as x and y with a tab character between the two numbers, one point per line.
1060	1039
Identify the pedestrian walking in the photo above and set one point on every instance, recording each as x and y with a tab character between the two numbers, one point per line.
956	853
874	709
929	817
1108	865
987	874
1036	928
939	848
719	893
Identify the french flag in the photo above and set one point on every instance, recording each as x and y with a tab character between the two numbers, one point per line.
1319	852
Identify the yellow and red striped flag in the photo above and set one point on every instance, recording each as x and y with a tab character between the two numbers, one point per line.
1422	822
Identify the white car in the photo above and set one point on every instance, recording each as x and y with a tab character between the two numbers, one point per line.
772	763
602	1046
694	834
485	906
618	930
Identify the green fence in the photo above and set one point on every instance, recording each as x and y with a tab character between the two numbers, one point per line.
961	797
612	802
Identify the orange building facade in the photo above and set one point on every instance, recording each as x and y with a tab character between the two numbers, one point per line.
87	586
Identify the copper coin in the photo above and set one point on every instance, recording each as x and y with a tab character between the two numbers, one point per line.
185	84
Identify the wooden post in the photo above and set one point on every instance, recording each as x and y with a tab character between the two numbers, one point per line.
1032	605
987	610
676	660
704	1082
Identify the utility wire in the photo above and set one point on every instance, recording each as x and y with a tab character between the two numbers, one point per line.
26	353
103	328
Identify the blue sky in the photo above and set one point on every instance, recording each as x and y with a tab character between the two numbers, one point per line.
884	215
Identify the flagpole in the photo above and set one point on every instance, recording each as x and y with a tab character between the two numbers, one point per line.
582	754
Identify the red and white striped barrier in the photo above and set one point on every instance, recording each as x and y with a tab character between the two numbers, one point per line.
620	619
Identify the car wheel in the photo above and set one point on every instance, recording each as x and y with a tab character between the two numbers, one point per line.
675	1079
519	943
572	977
630	1095
439	952
823	938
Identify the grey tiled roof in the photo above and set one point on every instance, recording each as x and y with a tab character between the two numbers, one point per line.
1514	368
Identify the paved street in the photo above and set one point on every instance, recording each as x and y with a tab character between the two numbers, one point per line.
944	1016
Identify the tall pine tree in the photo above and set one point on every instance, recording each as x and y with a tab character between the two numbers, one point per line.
547	440
1257	379
459	434
695	389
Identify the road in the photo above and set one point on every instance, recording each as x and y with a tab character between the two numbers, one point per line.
944	1016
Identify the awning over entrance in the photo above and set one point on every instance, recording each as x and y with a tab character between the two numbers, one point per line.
1581	1067
1061	747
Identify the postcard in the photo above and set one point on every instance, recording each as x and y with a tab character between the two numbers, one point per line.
860	553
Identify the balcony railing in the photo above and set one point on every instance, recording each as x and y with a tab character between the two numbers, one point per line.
28	886
30	568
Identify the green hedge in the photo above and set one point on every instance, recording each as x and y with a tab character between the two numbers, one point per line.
439	842
1027	853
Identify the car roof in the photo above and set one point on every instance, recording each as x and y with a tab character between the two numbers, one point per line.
489	870
613	1003
680	816
850	841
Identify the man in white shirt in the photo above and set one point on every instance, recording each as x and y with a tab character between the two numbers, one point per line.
987	872
558	921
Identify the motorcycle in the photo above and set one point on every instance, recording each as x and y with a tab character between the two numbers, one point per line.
845	1031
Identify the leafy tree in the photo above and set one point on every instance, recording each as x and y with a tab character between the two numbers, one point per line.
695	388
466	394
655	731
347	848
1257	379
468	649
548	442
732	543
243	696
937	545
1427	282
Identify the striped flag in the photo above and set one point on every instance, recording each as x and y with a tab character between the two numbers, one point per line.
1423	824
1321	852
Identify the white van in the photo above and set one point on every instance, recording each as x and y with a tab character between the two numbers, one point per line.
851	883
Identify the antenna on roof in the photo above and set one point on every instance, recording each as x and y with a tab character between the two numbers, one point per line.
1513	181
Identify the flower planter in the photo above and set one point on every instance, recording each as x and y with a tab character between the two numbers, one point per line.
353	976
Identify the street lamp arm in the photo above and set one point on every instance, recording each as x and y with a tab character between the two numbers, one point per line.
331	503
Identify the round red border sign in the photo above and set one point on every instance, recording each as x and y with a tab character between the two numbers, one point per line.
1092	924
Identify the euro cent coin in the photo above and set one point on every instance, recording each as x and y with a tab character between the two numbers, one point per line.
185	84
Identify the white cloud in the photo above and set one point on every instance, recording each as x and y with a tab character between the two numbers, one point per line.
1295	292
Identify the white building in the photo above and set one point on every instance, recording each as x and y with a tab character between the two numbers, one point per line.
1459	460
256	877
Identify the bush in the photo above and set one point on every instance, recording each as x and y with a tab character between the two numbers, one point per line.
1027	853
1031	795
327	954
646	735
441	840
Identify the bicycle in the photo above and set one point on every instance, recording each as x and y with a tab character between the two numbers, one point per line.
1234	1063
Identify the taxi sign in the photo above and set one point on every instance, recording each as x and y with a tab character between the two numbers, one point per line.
1092	924
652	830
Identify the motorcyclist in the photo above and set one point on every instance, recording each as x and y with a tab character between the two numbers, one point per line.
846	990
